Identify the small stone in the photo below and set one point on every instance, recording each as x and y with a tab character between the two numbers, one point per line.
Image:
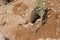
44	3
49	15
48	38
57	20
41	39
52	8
48	1
58	16
27	25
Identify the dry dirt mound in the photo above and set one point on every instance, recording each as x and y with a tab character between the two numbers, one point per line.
15	20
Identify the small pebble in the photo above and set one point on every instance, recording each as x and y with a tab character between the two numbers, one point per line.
48	38
52	4
44	3
49	15
48	1
58	16
41	39
57	20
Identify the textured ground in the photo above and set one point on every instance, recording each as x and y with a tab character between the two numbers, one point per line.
15	21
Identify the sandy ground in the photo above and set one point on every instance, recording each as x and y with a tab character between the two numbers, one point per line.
15	26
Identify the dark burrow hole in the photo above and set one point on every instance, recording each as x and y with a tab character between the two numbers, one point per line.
35	16
0	5
7	38
7	1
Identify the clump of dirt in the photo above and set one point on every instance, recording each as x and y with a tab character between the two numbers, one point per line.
15	21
